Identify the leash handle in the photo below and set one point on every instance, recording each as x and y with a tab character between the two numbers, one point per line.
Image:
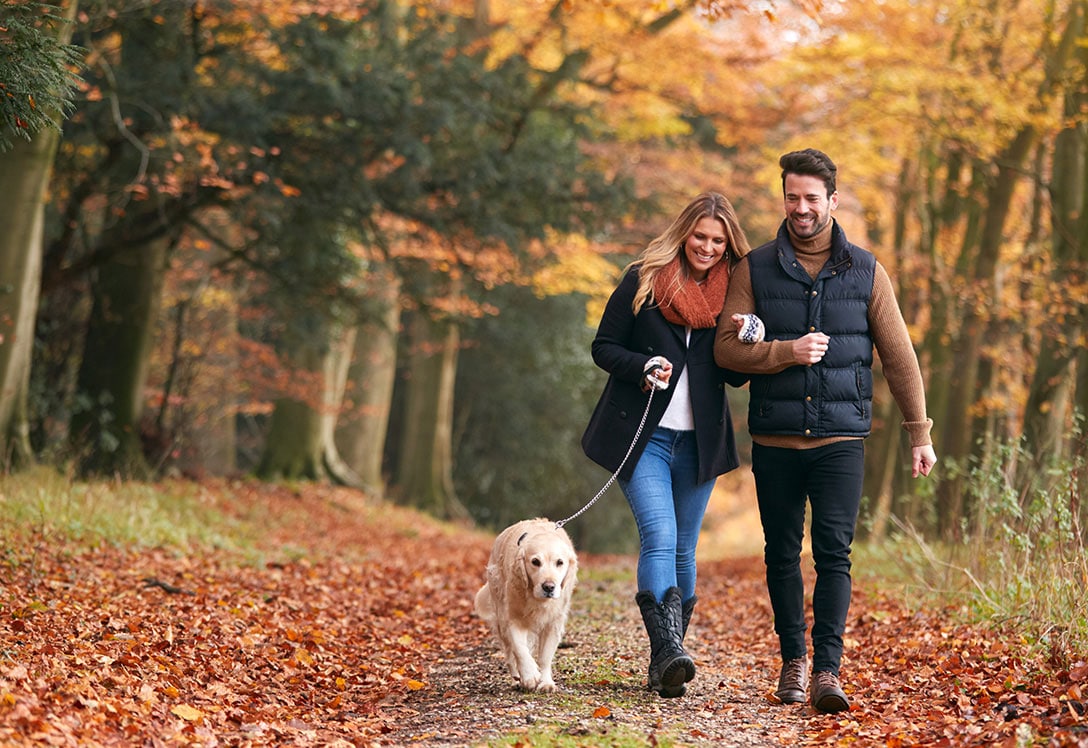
638	432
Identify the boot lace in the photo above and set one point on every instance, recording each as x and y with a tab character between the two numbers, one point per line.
793	676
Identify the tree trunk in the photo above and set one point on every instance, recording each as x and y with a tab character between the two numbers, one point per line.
424	471
945	308
295	449
27	167
881	459
126	294
337	365
1046	411
363	423
22	182
1080	445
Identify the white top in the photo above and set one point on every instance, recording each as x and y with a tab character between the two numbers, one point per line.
678	416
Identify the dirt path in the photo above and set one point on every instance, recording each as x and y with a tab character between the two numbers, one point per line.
915	679
601	670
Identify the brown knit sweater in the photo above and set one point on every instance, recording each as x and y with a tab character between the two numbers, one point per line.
886	327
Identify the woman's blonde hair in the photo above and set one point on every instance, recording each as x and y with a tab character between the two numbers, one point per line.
664	248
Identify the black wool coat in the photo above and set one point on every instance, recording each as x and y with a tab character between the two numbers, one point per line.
623	345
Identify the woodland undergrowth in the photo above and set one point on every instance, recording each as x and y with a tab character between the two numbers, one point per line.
1020	558
233	612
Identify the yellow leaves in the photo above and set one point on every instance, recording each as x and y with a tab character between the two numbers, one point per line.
578	268
415	685
187	713
644	76
648	116
601	712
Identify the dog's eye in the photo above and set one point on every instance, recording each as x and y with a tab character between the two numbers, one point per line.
559	562
536	562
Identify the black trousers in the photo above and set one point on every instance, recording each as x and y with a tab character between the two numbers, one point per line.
830	479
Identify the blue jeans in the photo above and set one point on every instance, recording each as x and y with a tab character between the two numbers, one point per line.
830	479
668	506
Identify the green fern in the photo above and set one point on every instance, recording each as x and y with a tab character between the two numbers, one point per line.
38	74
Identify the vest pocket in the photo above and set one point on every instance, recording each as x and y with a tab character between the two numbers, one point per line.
859	381
759	389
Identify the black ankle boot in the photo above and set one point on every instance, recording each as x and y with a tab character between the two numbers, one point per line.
685	613
670	666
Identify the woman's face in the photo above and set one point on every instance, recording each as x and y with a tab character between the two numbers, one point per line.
705	246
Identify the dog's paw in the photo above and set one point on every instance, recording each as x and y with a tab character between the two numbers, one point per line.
530	682
546	685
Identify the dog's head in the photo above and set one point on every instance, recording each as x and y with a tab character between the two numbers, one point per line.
548	562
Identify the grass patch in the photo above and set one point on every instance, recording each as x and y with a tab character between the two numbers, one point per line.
41	502
607	736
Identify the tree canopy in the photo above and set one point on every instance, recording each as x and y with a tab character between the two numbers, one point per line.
261	213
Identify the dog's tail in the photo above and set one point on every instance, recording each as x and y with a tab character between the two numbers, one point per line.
485	605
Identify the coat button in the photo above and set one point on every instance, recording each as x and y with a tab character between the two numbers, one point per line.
808	432
808	399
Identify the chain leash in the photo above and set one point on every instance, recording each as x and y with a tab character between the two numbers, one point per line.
638	433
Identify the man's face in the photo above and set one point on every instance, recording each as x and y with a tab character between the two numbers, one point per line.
808	206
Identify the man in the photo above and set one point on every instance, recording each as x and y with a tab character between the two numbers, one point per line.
825	304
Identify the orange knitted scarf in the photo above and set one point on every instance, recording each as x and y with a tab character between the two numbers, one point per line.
685	302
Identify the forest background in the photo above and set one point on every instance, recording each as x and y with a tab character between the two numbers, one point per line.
368	241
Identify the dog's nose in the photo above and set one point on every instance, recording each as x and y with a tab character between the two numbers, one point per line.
549	589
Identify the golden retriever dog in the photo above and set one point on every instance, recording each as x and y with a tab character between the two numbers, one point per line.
530	579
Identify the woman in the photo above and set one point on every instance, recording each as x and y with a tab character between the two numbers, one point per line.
663	314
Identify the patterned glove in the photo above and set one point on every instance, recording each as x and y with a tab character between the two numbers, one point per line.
752	331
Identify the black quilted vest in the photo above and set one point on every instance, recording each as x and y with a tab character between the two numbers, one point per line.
835	396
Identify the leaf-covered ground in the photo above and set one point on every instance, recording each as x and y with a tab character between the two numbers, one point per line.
355	629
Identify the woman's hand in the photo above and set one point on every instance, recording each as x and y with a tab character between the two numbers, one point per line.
656	373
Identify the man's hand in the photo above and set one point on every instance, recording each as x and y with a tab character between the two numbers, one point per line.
923	459
810	349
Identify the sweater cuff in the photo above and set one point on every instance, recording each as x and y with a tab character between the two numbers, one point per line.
919	432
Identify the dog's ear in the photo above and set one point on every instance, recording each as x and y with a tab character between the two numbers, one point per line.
523	573
571	576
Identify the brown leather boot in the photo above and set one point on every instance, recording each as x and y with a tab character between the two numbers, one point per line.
827	694
793	681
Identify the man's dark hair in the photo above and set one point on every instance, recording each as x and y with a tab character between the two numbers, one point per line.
811	163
